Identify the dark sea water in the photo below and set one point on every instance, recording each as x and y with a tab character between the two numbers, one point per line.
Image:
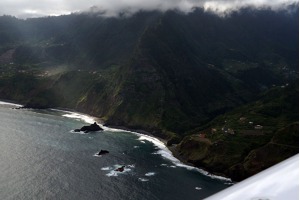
41	158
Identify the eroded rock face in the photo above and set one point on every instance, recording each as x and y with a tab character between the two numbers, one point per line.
91	128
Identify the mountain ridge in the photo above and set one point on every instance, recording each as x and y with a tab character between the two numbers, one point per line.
166	73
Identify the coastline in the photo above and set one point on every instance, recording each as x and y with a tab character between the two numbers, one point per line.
124	128
168	152
8	102
165	151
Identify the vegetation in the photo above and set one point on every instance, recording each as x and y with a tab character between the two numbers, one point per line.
250	138
170	74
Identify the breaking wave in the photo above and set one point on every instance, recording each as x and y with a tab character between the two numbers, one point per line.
143	179
150	174
10	104
113	171
74	115
162	148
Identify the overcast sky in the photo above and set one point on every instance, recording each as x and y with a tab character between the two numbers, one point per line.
37	8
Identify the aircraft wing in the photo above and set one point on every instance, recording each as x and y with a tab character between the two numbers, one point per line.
278	182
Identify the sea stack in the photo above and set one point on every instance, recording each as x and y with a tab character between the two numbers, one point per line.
102	152
120	169
91	128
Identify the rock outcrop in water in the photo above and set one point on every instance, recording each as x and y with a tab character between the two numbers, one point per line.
91	128
120	169
102	152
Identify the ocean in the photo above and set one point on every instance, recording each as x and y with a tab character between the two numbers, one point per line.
43	158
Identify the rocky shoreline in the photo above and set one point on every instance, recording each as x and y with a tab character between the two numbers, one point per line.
137	131
154	134
235	174
172	148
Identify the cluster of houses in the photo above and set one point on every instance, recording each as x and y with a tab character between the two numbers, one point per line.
230	131
257	127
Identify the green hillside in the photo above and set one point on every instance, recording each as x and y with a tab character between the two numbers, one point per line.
168	73
250	138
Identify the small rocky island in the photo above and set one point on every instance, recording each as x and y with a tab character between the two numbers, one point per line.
91	128
102	152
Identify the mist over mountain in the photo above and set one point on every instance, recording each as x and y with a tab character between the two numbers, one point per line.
169	73
33	8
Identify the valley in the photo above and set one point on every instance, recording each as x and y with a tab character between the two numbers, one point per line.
196	80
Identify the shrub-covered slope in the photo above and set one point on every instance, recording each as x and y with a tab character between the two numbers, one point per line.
250	138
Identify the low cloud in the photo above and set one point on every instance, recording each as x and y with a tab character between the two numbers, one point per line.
37	8
113	7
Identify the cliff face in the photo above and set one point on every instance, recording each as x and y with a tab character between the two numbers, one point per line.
179	78
167	73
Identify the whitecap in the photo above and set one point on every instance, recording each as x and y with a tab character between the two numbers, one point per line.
116	173
143	179
136	147
78	132
112	173
198	188
126	170
164	165
96	155
172	166
150	174
106	168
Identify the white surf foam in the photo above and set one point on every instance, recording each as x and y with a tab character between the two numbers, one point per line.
10	104
96	155
203	172
143	179
198	188
112	173
84	118
80	132
163	150
166	153
131	166
112	169
150	174
116	173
